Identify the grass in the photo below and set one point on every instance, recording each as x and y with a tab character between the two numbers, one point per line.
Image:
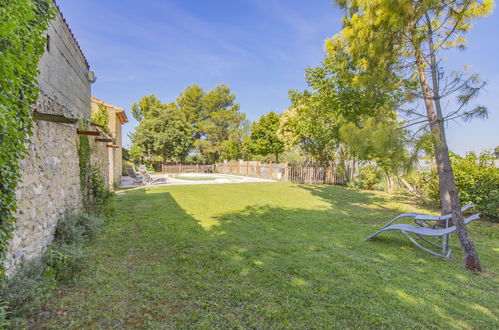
270	255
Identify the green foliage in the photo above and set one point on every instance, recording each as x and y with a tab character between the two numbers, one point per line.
209	121
190	102
136	153
496	152
477	179
65	260
314	120
101	117
382	141
146	107
35	281
427	184
223	122
97	198
125	154
263	139
76	228
84	164
22	44
26	291
101	198
310	127
369	176
163	130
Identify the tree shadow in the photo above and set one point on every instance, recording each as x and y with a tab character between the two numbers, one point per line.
264	266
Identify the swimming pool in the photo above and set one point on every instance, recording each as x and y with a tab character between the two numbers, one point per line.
189	177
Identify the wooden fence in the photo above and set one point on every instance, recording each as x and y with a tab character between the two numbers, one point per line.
301	173
186	168
313	174
252	168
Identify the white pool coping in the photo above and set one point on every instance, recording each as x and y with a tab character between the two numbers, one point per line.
127	182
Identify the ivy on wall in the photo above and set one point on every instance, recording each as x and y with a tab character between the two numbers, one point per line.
22	43
85	168
101	117
97	198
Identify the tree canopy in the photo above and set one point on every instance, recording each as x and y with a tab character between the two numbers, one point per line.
163	130
263	139
208	125
397	43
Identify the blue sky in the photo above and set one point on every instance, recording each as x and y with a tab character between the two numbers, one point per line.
259	48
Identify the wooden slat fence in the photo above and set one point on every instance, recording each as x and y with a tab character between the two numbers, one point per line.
301	173
186	168
252	168
313	174
298	173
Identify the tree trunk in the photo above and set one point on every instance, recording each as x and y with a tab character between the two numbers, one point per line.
449	195
389	182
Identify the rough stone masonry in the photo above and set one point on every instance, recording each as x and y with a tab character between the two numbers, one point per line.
50	186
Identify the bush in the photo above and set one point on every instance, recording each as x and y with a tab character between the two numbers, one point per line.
34	282
65	260
426	183
75	228
477	179
369	176
101	199
25	292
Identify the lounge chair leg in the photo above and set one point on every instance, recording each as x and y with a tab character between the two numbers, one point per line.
422	247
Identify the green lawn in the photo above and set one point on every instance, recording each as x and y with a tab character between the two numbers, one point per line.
270	255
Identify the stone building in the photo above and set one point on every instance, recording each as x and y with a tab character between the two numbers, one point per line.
50	174
116	118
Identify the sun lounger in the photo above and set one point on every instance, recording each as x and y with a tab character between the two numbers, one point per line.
423	233
420	218
137	177
148	179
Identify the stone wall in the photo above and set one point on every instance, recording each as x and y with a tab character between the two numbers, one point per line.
50	186
99	157
64	71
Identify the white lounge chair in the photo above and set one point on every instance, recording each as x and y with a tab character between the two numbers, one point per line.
137	177
148	179
421	232
420	217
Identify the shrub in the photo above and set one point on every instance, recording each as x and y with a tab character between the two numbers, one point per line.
4	322
26	291
369	176
477	179
34	282
75	228
426	183
101	199
65	260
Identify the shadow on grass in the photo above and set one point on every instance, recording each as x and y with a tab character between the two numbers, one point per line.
264	266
